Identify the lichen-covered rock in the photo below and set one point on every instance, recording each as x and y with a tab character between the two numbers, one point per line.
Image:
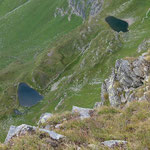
114	143
44	117
83	112
20	130
24	129
129	75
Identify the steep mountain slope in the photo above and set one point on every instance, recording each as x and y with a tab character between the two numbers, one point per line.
21	24
64	60
20	28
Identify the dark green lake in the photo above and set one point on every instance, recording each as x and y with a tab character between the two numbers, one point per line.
117	24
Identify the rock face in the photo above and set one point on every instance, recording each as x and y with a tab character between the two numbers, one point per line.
114	143
82	8
44	117
84	112
24	129
127	80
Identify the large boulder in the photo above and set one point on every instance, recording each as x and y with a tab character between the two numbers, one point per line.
128	75
83	112
24	129
20	130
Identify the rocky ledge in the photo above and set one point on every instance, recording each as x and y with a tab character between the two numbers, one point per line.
24	129
128	81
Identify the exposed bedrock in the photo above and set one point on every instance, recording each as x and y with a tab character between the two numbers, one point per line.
128	81
80	8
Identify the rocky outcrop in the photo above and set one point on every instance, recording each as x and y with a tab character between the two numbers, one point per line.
114	143
80	8
24	129
128	79
83	112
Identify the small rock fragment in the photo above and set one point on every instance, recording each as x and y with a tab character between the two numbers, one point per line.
58	126
44	117
84	112
114	143
52	134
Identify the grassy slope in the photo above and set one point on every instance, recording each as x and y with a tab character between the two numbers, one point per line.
27	28
97	62
106	123
6	6
81	83
27	32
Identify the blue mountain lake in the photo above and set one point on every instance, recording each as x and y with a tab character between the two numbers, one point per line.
28	96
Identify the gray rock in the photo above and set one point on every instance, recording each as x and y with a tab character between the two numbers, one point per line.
144	45
84	112
104	91
81	7
20	130
96	6
58	126
44	117
114	143
17	112
53	134
10	133
47	127
127	76
60	12
24	129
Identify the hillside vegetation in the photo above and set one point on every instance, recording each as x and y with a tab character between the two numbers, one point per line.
131	124
66	60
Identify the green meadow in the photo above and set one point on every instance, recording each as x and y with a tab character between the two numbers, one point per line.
66	61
